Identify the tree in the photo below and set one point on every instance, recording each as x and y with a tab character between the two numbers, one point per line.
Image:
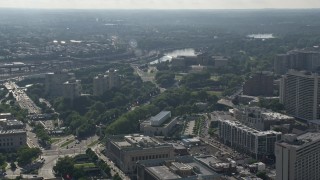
13	166
116	177
165	78
26	155
262	175
64	166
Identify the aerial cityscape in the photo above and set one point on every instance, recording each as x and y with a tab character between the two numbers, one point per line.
160	90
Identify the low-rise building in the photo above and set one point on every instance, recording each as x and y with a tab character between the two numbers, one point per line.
161	124
177	168
6	124
12	139
258	144
260	118
6	116
126	150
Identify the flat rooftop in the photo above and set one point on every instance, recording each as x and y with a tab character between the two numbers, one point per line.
248	129
309	137
208	159
162	172
136	141
15	131
266	114
303	139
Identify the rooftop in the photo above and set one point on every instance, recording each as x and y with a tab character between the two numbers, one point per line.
137	141
263	113
156	166
12	131
159	116
302	140
248	129
162	172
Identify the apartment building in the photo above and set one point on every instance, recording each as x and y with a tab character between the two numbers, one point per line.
298	157
260	118
260	84
256	143
71	89
299	92
103	82
304	59
54	82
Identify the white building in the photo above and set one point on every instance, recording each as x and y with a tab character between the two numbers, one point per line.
299	92
162	130
159	125
256	143
260	118
298	157
160	118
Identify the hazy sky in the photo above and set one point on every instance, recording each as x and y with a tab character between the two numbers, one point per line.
161	4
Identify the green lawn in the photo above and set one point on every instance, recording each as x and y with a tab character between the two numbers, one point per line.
85	165
215	78
93	143
178	77
217	93
67	143
53	140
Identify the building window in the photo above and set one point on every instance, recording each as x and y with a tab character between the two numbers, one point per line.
132	159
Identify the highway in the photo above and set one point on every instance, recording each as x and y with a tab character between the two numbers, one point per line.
22	98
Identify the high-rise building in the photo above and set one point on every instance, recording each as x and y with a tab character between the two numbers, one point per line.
114	79
258	144
71	89
54	82
298	157
299	92
260	84
297	59
102	83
